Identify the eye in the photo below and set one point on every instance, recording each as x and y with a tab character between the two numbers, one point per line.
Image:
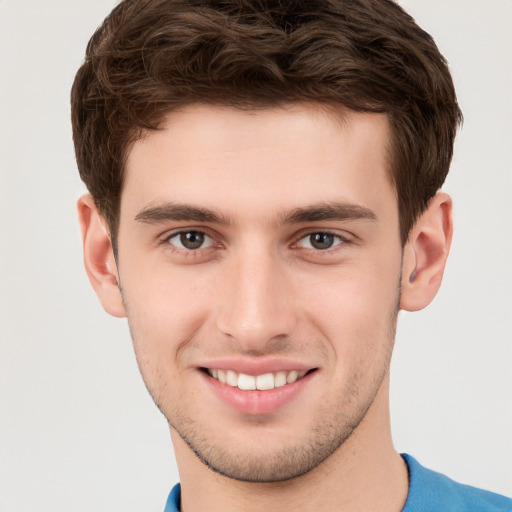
320	241
190	240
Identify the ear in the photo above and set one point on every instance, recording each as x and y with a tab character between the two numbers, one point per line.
99	260
425	254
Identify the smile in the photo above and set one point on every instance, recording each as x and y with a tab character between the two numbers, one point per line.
262	382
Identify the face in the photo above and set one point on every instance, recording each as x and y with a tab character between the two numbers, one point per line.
259	262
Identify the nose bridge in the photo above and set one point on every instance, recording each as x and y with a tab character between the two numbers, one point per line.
256	307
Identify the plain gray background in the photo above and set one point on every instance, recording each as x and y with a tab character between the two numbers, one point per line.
79	433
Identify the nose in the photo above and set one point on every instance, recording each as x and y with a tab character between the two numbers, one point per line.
257	306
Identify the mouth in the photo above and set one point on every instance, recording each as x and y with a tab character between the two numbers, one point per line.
263	382
258	387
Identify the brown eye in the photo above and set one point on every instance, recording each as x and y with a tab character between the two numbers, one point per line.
190	240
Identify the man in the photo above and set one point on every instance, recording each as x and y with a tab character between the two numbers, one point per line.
264	182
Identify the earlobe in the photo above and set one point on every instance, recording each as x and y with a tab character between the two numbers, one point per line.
99	259
425	254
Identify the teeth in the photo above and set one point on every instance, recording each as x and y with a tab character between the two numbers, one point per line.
292	377
250	382
231	378
265	381
247	382
280	379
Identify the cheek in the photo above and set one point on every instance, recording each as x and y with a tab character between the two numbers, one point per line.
164	312
355	308
164	308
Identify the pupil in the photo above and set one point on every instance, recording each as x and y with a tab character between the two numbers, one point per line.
192	239
321	240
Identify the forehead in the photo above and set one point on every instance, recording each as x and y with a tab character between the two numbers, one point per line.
268	160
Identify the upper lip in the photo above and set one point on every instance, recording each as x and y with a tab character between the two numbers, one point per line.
256	366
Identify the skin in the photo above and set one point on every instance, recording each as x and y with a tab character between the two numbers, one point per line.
258	290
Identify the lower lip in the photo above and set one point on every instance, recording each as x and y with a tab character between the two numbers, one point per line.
257	402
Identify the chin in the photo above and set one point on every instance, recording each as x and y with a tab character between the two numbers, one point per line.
265	463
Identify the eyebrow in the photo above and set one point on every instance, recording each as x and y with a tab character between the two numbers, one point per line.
313	213
329	211
180	212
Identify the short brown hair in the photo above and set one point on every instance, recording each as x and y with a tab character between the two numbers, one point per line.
150	57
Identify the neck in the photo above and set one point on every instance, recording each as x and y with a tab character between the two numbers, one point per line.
364	474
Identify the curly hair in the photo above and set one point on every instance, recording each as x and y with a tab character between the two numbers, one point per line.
150	57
